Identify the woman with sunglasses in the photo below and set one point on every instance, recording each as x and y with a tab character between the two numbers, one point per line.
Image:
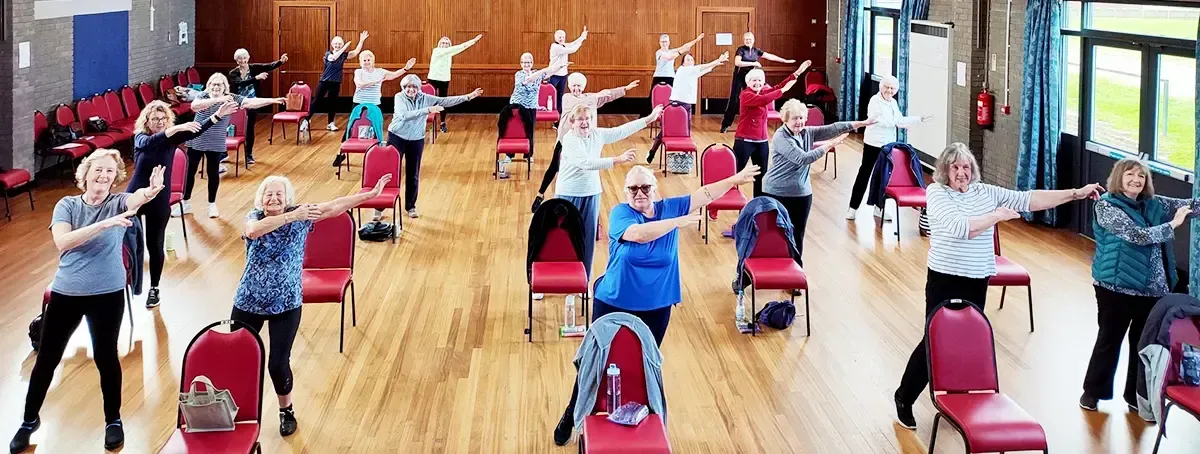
643	257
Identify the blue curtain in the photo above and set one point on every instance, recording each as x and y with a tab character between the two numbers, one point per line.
852	64
1194	250
1041	98
910	10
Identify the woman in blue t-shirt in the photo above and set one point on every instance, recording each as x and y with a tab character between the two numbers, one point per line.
270	291
643	256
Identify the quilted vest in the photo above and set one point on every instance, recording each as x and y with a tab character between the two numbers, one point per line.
1126	265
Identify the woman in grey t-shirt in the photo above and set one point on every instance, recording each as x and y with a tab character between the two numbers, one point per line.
89	232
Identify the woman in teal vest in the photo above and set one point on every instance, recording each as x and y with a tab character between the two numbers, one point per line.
1134	266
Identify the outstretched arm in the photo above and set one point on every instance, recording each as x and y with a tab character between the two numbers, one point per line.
393	75
541	73
341	204
776	58
254	103
707	194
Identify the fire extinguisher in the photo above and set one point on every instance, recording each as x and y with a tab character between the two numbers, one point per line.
983	108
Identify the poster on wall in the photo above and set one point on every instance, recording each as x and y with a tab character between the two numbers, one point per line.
183	33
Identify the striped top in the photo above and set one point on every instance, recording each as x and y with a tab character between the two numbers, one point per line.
372	94
212	139
950	249
579	174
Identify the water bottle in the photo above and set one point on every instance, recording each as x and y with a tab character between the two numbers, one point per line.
550	103
739	314
170	241
229	131
569	312
614	388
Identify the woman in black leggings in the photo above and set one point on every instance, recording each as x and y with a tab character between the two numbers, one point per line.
154	145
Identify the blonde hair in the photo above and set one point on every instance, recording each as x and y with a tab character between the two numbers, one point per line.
756	73
579	111
217	77
86	165
289	192
241	53
365	54
139	126
1116	178
953	153
792	108
577	78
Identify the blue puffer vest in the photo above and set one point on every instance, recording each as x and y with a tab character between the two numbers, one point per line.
1126	265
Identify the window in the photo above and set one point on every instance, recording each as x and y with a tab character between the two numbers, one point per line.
1070	84
1176	110
1165	21
1116	97
881	19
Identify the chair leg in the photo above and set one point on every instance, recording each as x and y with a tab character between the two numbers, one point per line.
182	221
529	327
1003	291
29	190
933	437
897	221
704	219
271	137
807	317
7	209
587	319
753	310
342	327
237	160
1162	427
834	166
1030	290
353	306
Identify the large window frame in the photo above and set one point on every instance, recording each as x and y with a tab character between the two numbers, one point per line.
870	13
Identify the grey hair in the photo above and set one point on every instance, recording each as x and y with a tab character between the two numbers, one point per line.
756	72
664	35
889	80
289	192
576	78
365	54
581	110
527	53
792	108
643	171
85	166
241	53
411	79
953	153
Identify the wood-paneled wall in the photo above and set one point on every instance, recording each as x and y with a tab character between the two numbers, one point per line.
623	35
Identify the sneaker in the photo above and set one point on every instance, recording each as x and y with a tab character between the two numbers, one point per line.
413	213
224	170
20	441
249	162
503	175
303	125
1088	403
537	203
152	298
881	213
539	296
851	213
444	130
177	212
337	162
331	127
114	436
562	432
287	421
724	129
212	211
225	159
1135	411
727	234
904	416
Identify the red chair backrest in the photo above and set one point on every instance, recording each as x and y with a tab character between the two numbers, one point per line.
331	244
547	95
64	116
814	77
233	361
85	110
660	95
361	121
129	101
515	128
165	85
40	124
428	89
114	105
181	79
178	170
304	90
146	91
1184	330
717	163
238	120
193	75
901	177
962	352
557	247
771	107
626	352
675	122
381	161
771	240
815	117
101	107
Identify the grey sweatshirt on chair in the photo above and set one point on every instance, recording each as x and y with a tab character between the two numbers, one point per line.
791	154
592	358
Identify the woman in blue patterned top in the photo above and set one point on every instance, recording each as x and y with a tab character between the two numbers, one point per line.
270	292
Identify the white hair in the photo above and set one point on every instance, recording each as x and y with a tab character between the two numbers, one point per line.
241	53
577	78
756	73
953	153
411	79
289	192
664	35
527	53
889	80
643	171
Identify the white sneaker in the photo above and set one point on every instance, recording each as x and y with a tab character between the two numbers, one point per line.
225	160
331	127
413	213
303	125
187	208
224	170
539	296
882	213
851	213
212	211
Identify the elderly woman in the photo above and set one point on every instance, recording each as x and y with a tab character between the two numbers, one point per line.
154	143
560	50
750	140
368	80
526	81
89	232
797	147
664	58
439	67
244	80
962	216
331	78
407	132
745	59
270	291
643	257
577	83
210	145
687	80
1134	267
884	109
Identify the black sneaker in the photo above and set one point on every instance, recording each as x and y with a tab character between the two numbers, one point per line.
562	432
337	162
537	203
1088	403
444	130
904	416
287	421
114	436
152	298
724	129
20	441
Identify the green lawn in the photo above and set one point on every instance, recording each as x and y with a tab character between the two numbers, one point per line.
1116	119
1171	28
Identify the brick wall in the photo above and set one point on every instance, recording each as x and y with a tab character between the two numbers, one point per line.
53	46
153	54
16	111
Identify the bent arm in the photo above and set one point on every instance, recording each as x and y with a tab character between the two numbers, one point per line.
791	149
650	231
1118	223
66	239
945	219
268	224
707	194
341	205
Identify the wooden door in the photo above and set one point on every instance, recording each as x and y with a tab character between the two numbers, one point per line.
303	31
713	21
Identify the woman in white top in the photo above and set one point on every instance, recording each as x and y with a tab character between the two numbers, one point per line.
560	50
884	109
664	58
687	80
368	80
962	214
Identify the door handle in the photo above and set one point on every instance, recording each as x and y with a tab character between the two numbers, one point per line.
283	72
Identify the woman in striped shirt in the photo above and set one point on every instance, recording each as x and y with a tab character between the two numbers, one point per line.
962	214
368	80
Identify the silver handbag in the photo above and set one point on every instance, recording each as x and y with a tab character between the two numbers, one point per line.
210	410
680	162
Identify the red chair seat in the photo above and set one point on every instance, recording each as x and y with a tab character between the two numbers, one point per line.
99	140
907	196
74	150
232	143
14	178
1009	273
357	145
991	422
324	285
182	108
512	146
125	124
1185	396
176	197
291	117
733	200
117	135
773	116
603	436
548	115
679	144
776	274
240	440
559	277
385	200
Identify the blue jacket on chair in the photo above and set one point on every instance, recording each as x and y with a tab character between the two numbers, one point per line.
374	114
883	172
745	230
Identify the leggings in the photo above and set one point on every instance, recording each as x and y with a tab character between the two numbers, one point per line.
657	320
756	152
251	119
560	86
212	166
664	79
589	210
104	313
939	287
1116	313
443	90
155	216
870	154
326	90
797	209
552	170
410	151
283	327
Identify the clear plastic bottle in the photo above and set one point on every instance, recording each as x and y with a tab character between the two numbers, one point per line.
170	241
614	388
229	131
739	314
569	312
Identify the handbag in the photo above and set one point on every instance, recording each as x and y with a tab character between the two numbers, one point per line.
210	410
778	314
294	102
680	162
366	132
97	124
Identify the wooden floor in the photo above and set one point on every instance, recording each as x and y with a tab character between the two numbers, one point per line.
438	362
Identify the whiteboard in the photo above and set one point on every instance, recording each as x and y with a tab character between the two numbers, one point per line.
930	79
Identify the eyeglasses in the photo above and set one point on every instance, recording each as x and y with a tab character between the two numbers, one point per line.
644	189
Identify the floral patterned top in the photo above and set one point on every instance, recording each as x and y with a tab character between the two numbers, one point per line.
270	284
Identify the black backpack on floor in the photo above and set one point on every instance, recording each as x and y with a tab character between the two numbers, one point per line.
376	231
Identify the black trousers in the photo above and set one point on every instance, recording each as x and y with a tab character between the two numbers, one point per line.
327	91
251	119
870	154
443	90
552	170
283	334
657	320
410	151
212	161
735	92
1116	314
939	287
104	313
798	209
560	85
155	216
757	152
667	80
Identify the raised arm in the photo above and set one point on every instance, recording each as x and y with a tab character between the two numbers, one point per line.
708	193
458	48
181	133
451	101
609	95
687	46
362	38
705	68
145	195
541	73
792	149
820	133
341	204
768	95
393	75
573	46
268	67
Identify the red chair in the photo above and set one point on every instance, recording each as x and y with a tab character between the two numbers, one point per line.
432	119
63	115
129	102
86	110
515	141
178	175
69	152
15	179
558	271
771	267
146	93
676	133
193	75
601	436
1184	330
381	161
234	361
166	85
292	116
328	268
181	79
965	388
547	95
772	113
118	132
1010	274
717	163
817	118
354	144
120	119
660	95
235	142
903	187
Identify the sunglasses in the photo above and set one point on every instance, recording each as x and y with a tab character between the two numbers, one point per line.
644	189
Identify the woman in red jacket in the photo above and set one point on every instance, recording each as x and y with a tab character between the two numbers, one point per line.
751	140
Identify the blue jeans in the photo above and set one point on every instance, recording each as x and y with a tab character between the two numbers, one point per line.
589	209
